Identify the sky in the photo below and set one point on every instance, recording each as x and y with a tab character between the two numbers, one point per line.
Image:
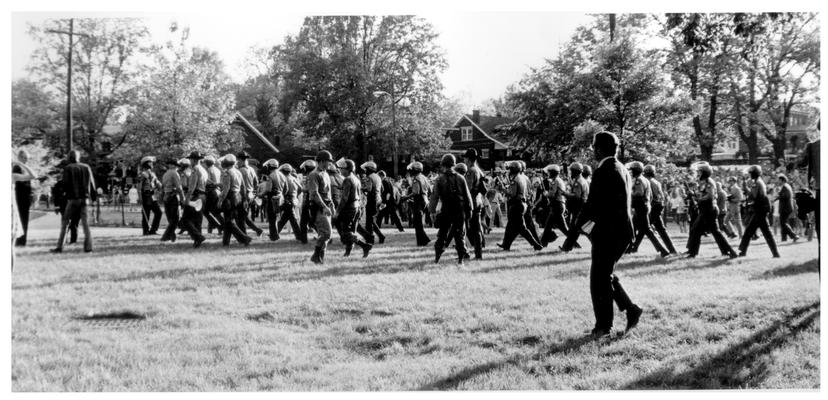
486	51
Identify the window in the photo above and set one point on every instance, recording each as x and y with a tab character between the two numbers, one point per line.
465	133
484	154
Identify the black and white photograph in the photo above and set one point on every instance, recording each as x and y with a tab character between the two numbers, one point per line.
366	197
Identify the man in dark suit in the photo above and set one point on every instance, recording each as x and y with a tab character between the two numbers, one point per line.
608	207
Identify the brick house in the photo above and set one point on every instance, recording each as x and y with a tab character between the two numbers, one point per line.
483	133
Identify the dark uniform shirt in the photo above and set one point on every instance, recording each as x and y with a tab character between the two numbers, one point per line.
451	190
580	189
641	193
420	188
373	189
474	180
351	193
319	182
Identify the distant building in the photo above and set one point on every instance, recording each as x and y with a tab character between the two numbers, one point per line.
484	134
799	124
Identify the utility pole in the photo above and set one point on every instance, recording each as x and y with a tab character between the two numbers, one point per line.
71	34
394	128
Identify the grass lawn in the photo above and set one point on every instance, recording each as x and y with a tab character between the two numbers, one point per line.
265	318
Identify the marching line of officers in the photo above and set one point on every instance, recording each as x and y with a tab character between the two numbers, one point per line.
223	191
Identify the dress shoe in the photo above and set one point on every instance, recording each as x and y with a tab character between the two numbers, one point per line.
598	333
197	243
633	315
742	254
502	247
381	240
437	254
733	255
55	250
366	249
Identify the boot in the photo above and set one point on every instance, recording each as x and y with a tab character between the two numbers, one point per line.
348	250
321	256
437	253
366	248
316	257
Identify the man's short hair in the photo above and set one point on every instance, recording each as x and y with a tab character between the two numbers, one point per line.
606	141
73	156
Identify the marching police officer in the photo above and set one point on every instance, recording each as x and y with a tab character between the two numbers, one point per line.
786	208
657	208
722	203
274	197
172	196
420	191
554	190
321	205
148	184
248	192
212	209
451	191
307	167
195	194
348	208
517	200
373	191
291	196
390	196
477	188
641	197
230	199
759	204
578	192
706	220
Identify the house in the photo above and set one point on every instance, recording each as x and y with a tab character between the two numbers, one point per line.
482	133
800	123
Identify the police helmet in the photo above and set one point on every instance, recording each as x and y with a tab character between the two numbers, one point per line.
636	166
461	168
448	161
369	166
324	155
576	166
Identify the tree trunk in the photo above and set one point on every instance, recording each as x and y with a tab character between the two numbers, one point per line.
752	142
778	149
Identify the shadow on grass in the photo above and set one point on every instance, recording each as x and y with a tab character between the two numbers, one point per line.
741	365
454	380
692	267
790	269
540	263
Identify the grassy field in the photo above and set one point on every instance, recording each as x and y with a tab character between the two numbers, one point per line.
265	318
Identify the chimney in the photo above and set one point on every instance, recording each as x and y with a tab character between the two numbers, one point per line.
476	116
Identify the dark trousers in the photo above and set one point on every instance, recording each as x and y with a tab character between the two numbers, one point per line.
555	220
212	210
657	222
574	208
706	222
171	210
785	226
191	220
475	231
452	227
346	225
304	219
418	221
289	215
371	228
243	219
231	209
604	286
516	225
24	203
72	207
758	220
271	211
390	212
530	224
150	206
641	223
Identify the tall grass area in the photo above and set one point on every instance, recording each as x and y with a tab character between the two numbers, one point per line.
264	318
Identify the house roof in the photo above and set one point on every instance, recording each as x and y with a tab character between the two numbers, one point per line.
489	127
242	121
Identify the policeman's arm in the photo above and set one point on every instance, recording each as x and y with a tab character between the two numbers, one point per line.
432	203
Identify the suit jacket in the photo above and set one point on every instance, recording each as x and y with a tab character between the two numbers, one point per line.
608	205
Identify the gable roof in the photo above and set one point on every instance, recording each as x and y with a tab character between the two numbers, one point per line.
244	123
488	127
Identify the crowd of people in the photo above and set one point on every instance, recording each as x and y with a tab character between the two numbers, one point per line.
616	207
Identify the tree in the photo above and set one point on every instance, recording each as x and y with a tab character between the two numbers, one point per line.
104	71
616	84
185	104
332	67
35	113
699	55
790	74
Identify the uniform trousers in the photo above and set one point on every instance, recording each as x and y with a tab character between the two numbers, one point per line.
171	211
516	225
641	222
657	222
706	222
231	208
758	220
150	206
